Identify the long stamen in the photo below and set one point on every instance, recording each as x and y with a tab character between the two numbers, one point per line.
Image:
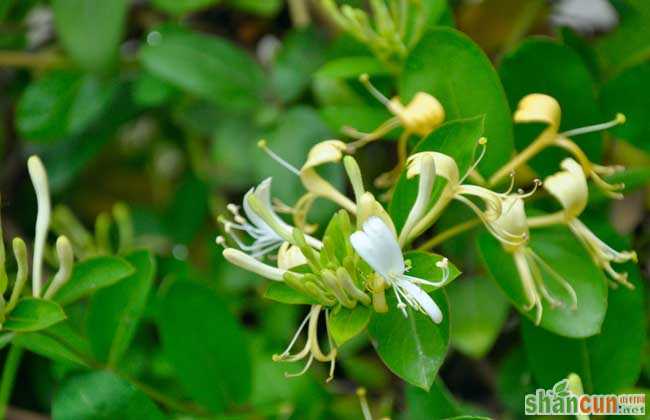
365	409
302	372
262	144
618	120
286	352
482	143
536	184
365	81
561	280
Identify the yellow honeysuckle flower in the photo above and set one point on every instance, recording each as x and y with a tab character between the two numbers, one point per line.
328	151
569	187
541	108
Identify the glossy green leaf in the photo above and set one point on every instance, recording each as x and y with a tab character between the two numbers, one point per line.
60	342
413	347
457	139
62	103
115	311
206	346
102	396
207	66
352	67
91	275
180	7
282	293
606	362
515	380
437	403
301	54
90	30
568	80
478	311
31	314
345	324
566	255
621	94
467	86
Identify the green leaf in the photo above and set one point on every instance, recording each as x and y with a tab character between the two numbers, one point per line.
606	362
115	311
32	314
566	255
478	311
90	30
437	402
60	342
515	380
301	54
567	79
345	324
352	67
467	86
364	118
206	346
181	7
207	66
414	347
457	139
102	396
282	293
62	103
91	275
621	94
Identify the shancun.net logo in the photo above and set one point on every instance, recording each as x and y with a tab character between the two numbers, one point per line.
561	401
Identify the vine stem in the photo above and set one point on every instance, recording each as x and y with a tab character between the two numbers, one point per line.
449	233
9	377
544	139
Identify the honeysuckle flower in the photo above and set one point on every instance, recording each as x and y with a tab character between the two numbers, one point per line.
420	117
266	228
378	247
569	187
328	151
290	256
529	265
66	259
249	263
545	109
423	163
312	349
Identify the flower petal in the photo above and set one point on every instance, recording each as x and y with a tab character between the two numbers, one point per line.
423	299
377	245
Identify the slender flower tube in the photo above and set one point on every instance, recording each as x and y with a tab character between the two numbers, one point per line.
569	187
39	180
539	108
378	246
245	261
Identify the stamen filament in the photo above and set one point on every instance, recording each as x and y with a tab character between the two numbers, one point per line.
618	120
262	144
365	81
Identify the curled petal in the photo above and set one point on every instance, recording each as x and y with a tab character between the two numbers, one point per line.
424	301
538	107
569	187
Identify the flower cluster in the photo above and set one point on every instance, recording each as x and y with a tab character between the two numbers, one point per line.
360	255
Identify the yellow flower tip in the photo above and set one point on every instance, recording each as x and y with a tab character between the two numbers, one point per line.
276	358
634	257
361	392
482	141
262	143
620	118
364	78
221	241
538	107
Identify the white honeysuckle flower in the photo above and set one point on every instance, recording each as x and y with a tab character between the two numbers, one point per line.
378	247
290	256
266	228
41	187
427	177
513	219
585	16
455	189
569	187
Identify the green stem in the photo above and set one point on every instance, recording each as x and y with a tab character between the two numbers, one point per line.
166	400
8	377
37	60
